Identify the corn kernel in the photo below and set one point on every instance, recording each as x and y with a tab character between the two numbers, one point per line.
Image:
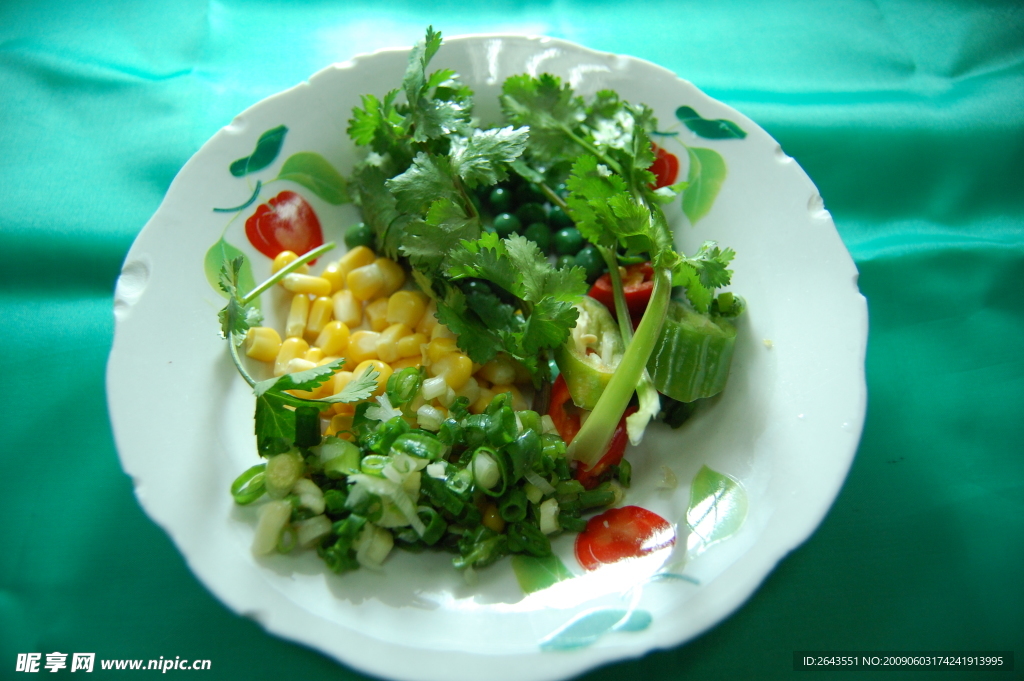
360	256
518	401
262	343
362	345
320	312
298	315
471	390
409	346
291	348
392	273
297	364
387	344
440	347
377	314
499	370
339	381
492	519
314	355
406	362
347	309
482	401
285	258
333	340
307	283
441	331
334	274
454	367
383	368
406	307
428	321
365	282
340	424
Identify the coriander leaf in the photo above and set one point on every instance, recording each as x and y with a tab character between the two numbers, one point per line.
275	425
428	179
300	380
378	124
478	341
548	325
359	388
415	79
434	118
548	107
485	258
428	243
378	207
234	318
480	158
538	280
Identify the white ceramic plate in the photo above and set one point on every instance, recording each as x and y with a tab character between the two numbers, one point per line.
785	429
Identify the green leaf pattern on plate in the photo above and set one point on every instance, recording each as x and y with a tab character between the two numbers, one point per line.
587	627
718	506
714	129
220	253
705	177
267	148
312	171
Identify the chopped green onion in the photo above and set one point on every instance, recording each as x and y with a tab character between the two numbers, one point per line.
248	487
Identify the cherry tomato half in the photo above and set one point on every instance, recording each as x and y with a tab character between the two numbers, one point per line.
620	534
637	285
665	167
285	223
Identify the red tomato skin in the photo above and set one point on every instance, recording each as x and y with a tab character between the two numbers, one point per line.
616	450
665	167
285	223
621	534
567	422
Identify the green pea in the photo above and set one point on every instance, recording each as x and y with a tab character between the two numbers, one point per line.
528	193
565	261
531	212
505	224
568	241
500	199
591	261
540	234
558	218
359	234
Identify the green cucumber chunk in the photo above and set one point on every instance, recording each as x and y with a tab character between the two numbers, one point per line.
693	354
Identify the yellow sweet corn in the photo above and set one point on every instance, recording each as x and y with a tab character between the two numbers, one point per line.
347	309
320	313
365	282
501	370
262	343
360	256
376	312
314	355
428	321
298	315
406	307
285	258
362	345
439	347
333	340
409	346
392	274
307	283
387	344
383	368
291	348
334	274
405	362
454	367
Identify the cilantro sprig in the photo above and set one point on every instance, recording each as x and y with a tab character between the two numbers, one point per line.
277	408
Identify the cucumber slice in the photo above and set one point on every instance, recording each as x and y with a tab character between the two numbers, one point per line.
693	354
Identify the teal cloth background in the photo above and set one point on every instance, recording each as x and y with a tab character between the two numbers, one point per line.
908	117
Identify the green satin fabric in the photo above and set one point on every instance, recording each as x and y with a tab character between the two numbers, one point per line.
907	115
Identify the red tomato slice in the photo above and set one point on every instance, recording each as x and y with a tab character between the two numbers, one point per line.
285	223
622	533
665	167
